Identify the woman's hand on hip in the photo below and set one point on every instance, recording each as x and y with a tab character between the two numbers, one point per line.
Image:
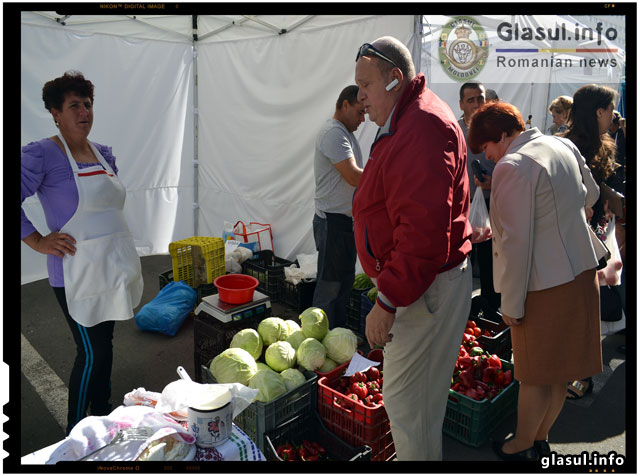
378	325
511	321
56	243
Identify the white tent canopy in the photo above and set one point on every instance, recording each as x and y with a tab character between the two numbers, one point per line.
222	127
207	131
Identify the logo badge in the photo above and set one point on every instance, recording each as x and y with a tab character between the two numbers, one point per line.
463	48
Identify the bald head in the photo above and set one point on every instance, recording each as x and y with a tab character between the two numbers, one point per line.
396	51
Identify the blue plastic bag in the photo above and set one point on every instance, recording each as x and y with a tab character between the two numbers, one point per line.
168	310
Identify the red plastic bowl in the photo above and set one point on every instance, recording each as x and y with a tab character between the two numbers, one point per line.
236	288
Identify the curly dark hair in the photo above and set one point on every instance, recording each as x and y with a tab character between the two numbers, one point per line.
599	150
55	91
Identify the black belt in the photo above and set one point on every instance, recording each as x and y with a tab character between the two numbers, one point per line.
451	265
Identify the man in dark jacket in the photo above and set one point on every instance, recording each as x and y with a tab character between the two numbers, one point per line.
413	238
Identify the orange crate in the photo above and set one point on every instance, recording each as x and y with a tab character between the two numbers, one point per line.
352	421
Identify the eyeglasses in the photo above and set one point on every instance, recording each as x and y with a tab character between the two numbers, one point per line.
369	50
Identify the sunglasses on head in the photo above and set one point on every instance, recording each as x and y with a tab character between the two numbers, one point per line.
368	50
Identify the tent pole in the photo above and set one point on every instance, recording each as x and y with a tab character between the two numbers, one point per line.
196	206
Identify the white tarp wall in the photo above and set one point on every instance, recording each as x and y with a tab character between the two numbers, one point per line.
261	97
261	104
528	59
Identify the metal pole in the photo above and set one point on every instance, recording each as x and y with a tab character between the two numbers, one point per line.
196	206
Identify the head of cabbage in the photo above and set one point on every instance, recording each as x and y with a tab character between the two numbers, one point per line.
270	385
233	365
314	323
311	354
296	338
290	326
271	329
341	344
249	340
293	378
280	356
328	366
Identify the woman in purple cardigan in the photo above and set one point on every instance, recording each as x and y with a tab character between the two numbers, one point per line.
93	265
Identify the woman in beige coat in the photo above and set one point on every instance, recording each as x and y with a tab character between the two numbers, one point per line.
544	266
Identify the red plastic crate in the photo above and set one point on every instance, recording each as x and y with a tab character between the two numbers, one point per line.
355	423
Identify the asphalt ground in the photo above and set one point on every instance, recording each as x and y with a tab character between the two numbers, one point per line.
601	422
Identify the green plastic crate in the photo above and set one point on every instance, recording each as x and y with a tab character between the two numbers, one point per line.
471	422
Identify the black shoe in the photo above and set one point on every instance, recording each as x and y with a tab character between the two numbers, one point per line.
622	349
530	454
542	447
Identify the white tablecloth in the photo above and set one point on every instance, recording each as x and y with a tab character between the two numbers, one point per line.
239	447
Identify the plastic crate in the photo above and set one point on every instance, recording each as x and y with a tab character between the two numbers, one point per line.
308	426
354	314
210	337
268	269
298	296
203	290
500	343
352	421
259	417
365	308
197	260
471	421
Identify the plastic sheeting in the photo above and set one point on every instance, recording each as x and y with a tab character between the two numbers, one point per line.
261	97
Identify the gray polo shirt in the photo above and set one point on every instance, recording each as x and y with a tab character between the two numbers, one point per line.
333	145
487	164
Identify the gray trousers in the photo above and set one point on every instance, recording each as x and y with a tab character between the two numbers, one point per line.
419	363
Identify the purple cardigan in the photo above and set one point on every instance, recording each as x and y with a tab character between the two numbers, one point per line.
46	172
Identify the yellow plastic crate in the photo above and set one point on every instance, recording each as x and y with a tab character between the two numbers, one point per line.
197	260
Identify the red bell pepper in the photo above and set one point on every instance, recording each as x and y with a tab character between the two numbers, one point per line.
494	361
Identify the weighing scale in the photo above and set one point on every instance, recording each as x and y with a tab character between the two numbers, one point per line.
225	312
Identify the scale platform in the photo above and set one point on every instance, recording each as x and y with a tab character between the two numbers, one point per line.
225	312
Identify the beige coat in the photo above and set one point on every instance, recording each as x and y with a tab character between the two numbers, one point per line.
540	233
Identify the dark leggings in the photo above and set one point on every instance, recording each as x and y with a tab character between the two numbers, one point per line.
90	381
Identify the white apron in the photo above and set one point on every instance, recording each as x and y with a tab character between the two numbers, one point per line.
103	280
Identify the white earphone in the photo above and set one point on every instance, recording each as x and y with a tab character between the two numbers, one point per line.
391	85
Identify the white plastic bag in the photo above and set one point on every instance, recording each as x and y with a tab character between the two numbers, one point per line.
479	218
308	264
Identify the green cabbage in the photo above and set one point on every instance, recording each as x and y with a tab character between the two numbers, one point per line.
296	339
293	378
280	356
328	366
270	385
263	366
314	323
270	329
249	340
290	326
233	365
311	354
341	344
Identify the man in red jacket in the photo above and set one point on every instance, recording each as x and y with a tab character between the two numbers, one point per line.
413	238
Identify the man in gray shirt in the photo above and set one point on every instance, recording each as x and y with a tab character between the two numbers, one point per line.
338	168
472	96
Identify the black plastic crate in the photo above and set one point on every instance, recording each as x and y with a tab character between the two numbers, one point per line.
309	426
203	290
354	313
268	269
210	337
298	296
491	320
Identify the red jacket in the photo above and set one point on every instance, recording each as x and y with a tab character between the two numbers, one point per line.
410	210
